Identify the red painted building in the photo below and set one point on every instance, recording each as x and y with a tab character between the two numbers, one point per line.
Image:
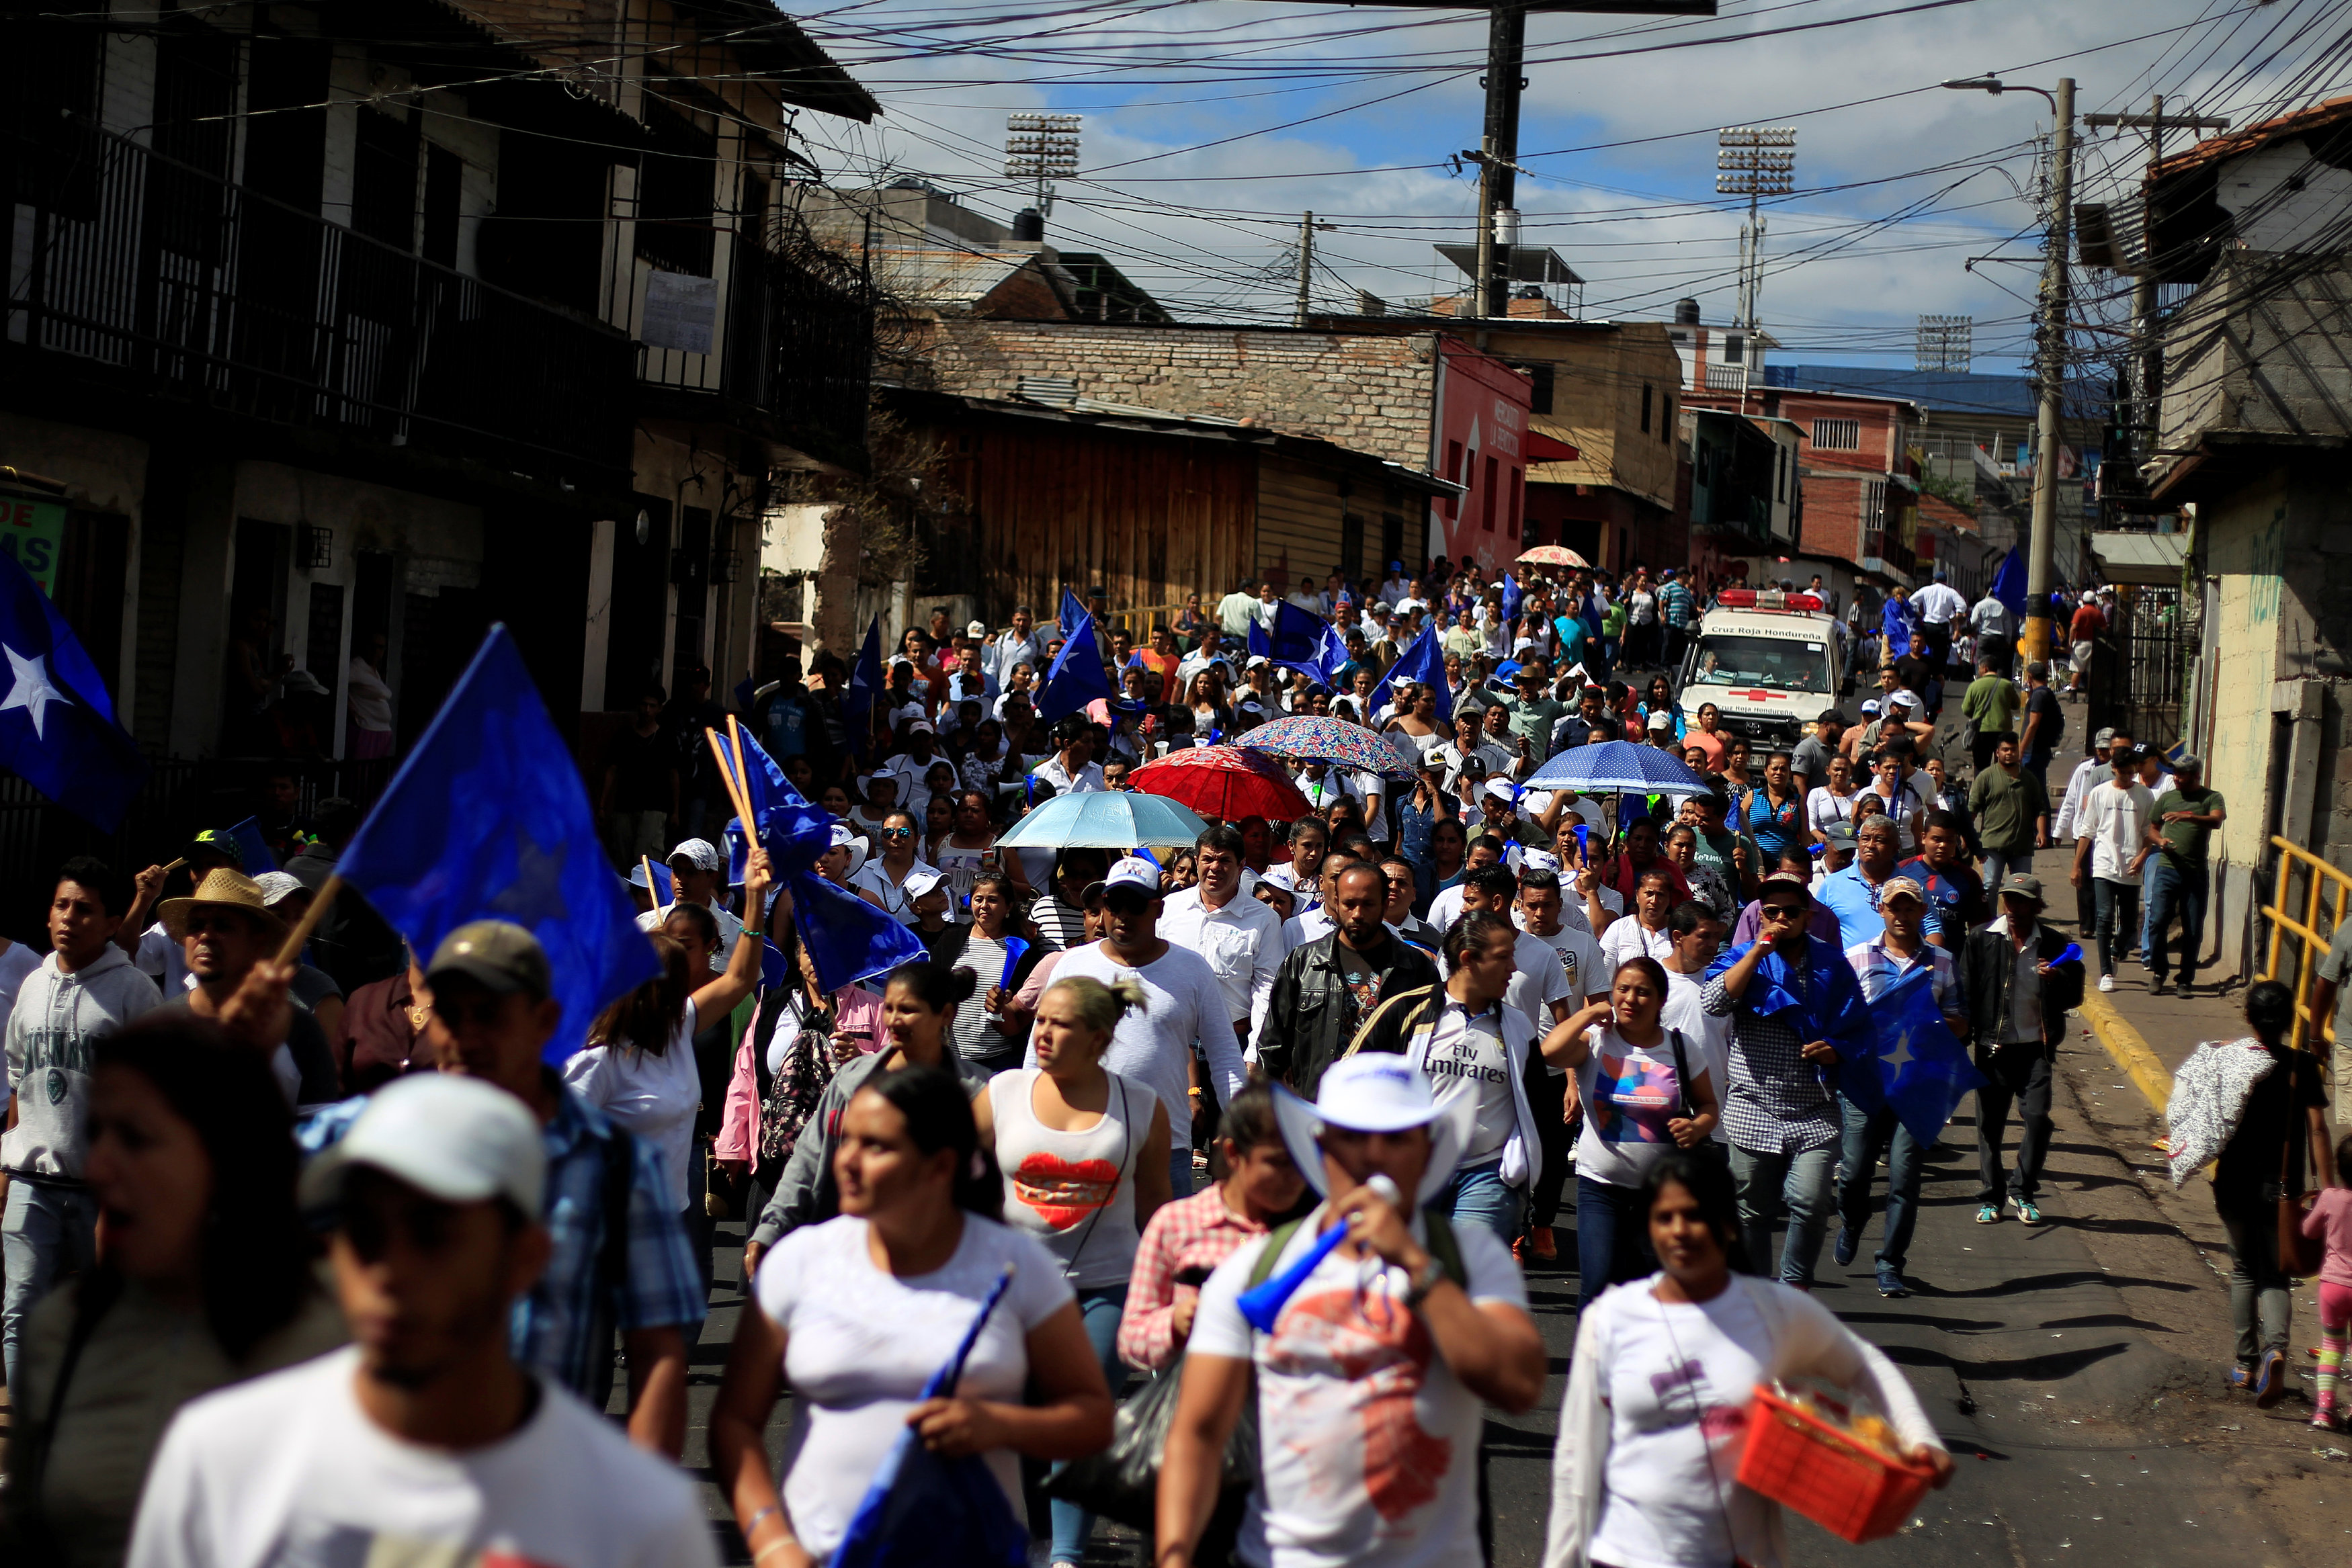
1481	440
1860	483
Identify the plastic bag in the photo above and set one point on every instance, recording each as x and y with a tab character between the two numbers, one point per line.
1122	1483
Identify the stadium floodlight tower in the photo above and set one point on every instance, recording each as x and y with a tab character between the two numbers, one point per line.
1041	149
1754	161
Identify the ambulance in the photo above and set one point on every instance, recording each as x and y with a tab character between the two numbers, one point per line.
1768	660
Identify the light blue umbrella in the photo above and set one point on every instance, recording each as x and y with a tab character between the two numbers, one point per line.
1619	767
1105	819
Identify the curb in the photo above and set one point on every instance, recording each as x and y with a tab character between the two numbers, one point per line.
2129	1049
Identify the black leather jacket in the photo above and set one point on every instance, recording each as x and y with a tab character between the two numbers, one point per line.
1307	1017
1987	964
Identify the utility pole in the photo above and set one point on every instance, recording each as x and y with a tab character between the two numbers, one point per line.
2150	390
1305	264
2041	558
1499	218
1754	161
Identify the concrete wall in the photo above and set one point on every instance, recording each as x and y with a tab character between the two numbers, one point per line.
1597	383
102	472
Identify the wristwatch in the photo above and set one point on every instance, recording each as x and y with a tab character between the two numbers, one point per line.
1432	1275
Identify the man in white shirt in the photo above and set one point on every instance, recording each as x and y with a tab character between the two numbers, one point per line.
1540	989
1996	631
1470	744
1184	1006
1541	915
1940	606
1374	1374
908	767
1021	646
698	874
1240	936
1236	610
423	1441
1699	936
2110	848
1396	585
1307	597
1072	769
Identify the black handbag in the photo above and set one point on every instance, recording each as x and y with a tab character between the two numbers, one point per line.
1122	1483
1707	1148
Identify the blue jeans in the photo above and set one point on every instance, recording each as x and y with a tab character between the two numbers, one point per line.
1180	1175
1795	1185
2147	903
1612	1238
2180	891
1867	1135
1477	1195
1999	864
2117	905
1099	1309
47	1231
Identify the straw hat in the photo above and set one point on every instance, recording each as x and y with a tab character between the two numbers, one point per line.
233	889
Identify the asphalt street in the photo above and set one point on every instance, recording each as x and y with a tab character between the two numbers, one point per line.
2073	1369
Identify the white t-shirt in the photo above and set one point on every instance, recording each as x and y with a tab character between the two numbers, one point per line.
2114	821
162	960
963	868
896	901
655	1097
1539	979
1825	806
1631	1092
1707	1037
1153	1044
1466	1058
1678	1378
1370	1445
286	1472
1581	964
862	1342
729	928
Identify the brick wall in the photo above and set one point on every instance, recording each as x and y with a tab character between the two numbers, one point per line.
1370	394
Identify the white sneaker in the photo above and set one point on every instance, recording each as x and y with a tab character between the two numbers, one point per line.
2107	982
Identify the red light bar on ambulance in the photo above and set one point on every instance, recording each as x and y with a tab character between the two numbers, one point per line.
1766	599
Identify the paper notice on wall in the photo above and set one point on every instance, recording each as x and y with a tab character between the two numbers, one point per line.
679	311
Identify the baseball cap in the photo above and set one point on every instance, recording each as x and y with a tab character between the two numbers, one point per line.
1134	870
1256	660
1788	878
1902	699
2141	752
1902	886
920	727
497	955
275	885
976	629
919	883
1870	705
1840	836
2022	885
217	842
1662	719
701	853
2188	762
2104	738
1502	790
452	1138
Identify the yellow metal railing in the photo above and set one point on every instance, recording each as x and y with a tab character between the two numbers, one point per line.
2319	878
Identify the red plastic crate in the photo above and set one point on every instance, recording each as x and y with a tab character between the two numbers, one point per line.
1800	1461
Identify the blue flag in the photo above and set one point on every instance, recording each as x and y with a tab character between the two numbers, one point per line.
1924	1070
57	723
865	683
664	885
1298	641
1512	597
775	969
1260	647
1423	660
1331	658
2009	583
252	848
1076	678
1894	628
487	819
1072	613
848	939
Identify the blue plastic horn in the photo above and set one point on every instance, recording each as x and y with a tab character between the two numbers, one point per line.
2073	952
1263	1304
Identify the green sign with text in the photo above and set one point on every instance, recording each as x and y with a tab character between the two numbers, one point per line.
31	532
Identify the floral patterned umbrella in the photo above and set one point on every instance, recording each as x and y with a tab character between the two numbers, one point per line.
1337	742
1224	782
1552	555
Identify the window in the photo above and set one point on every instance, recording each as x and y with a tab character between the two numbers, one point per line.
1486	497
1453	476
1538	385
445	171
383	178
1666	425
1838	435
1519	499
1735	350
1874	519
1646	395
1352	547
675	186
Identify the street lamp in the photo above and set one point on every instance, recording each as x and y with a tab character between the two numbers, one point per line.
2051	357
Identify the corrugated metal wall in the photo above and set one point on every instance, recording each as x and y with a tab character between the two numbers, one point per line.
1147	518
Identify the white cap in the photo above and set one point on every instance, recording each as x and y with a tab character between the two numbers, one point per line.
1902	699
1870	705
455	1139
1256	660
1501	789
976	629
920	727
1662	719
704	855
1134	870
275	885
1375	1091
919	883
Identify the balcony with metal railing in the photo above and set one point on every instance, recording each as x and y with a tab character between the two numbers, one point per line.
164	280
1726	378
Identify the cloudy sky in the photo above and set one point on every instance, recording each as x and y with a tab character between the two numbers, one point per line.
1211	124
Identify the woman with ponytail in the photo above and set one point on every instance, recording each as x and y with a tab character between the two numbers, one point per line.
1085	1157
859	1313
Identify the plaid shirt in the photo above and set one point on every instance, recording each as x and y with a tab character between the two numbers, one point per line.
1877	969
1774	1101
1197	1232
562	1328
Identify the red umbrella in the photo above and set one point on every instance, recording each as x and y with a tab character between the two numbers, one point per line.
1224	782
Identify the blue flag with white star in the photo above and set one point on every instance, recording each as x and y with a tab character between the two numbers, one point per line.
487	819
1924	1070
1076	676
1424	663
865	680
57	722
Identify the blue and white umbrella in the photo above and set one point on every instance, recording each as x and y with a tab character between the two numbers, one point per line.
1616	768
1105	819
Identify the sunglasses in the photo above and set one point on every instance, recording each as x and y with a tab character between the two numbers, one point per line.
898	832
1780	911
